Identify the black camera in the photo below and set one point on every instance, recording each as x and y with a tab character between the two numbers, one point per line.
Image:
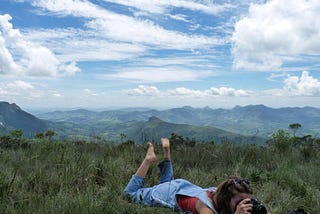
257	207
298	211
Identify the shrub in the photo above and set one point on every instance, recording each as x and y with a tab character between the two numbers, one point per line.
281	141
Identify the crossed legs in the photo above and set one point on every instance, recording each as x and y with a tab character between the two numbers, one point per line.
151	157
135	188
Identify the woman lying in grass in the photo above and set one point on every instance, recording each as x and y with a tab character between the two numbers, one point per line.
231	196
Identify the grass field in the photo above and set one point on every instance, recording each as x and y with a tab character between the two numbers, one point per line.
46	176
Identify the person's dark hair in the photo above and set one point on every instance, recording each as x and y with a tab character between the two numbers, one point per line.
228	189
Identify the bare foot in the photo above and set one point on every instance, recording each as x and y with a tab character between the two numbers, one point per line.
165	143
150	156
166	148
147	162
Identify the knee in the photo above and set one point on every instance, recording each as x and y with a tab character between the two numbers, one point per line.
134	186
128	195
128	191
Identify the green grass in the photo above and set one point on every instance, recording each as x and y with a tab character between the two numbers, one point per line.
84	177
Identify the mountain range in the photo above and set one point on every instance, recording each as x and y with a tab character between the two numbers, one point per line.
251	124
248	120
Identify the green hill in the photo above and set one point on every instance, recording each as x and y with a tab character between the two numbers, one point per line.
154	129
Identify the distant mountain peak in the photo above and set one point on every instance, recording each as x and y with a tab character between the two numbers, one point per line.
250	106
154	119
8	105
187	107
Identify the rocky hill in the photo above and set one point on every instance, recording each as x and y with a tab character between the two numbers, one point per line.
13	117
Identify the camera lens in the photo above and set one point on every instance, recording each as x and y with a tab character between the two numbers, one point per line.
261	209
257	207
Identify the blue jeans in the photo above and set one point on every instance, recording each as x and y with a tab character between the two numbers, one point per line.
149	195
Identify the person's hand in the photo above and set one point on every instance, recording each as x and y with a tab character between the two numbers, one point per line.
244	207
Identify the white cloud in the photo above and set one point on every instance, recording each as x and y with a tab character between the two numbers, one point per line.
39	61
199	63
229	92
127	29
89	92
183	92
122	28
20	56
161	6
83	45
21	85
148	6
157	74
19	88
143	90
274	32
80	8
7	63
70	68
180	17
275	76
304	86
57	95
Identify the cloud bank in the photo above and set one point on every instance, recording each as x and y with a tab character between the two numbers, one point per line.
293	86
143	90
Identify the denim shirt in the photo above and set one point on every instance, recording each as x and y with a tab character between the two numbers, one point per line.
165	194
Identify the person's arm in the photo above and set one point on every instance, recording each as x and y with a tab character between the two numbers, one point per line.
202	208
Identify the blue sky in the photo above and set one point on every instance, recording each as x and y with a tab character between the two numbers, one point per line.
159	53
